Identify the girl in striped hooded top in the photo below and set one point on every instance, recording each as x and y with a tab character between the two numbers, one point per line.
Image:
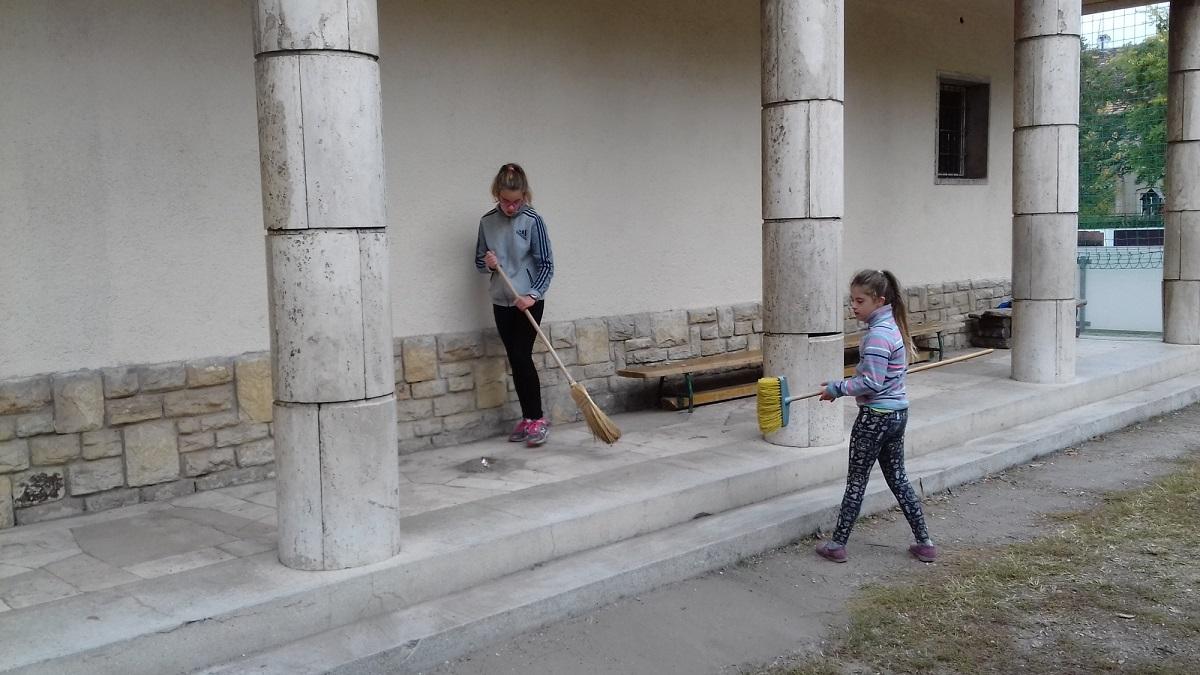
877	299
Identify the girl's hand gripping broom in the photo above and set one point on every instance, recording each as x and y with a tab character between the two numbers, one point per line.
774	399
599	423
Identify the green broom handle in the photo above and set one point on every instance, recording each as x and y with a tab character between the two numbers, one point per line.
535	325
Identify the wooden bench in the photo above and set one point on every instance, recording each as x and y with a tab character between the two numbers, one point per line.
747	359
699	364
933	329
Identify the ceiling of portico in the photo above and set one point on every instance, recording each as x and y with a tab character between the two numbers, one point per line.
1095	6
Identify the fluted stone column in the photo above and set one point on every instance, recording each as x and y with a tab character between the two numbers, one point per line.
802	182
1181	254
321	152
1045	189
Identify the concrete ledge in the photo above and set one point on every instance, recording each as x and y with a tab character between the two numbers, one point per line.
216	613
428	634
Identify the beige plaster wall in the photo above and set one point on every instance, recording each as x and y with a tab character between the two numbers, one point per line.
896	217
128	184
130	225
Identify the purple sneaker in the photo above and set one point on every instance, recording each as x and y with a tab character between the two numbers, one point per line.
520	432
923	552
537	432
831	551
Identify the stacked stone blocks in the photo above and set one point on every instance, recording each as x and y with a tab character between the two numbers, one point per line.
1181	254
1045	189
94	440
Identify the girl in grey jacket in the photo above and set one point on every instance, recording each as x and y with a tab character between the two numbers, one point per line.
513	236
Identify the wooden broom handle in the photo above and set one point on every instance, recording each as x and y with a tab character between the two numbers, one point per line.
946	362
535	325
916	369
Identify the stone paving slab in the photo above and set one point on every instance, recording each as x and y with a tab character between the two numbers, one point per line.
537	504
210	527
429	634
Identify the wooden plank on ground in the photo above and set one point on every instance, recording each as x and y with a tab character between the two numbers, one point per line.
711	396
731	392
730	360
922	356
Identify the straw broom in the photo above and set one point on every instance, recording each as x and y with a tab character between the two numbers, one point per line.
774	399
599	423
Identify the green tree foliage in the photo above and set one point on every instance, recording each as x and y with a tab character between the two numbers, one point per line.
1122	117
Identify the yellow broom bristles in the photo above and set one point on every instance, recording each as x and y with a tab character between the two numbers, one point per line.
599	423
770	405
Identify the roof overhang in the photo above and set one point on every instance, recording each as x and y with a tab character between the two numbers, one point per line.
1095	6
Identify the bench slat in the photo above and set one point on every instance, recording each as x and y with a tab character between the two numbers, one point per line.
730	360
926	329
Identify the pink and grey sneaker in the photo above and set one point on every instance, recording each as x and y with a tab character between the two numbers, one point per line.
520	432
537	432
925	552
830	550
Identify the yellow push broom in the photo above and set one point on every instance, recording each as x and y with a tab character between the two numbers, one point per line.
774	399
599	423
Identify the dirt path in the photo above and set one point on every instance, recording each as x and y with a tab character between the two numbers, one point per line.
774	608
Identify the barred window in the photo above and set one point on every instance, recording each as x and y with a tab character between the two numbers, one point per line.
962	123
952	131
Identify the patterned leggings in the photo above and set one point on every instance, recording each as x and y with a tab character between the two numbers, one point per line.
878	435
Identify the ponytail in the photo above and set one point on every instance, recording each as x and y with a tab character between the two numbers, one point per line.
895	297
512	177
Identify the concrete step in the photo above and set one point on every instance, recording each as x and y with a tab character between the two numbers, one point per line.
426	634
209	615
191	619
1109	370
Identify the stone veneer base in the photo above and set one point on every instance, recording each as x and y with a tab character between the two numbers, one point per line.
100	439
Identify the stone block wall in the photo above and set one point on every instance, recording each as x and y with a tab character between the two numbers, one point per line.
949	303
94	440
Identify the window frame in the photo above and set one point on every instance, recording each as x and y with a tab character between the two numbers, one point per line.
975	124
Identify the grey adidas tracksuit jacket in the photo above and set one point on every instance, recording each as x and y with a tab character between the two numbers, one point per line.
523	249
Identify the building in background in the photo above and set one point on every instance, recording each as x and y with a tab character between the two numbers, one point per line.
133	363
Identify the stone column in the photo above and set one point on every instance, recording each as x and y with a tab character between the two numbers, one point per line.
1181	254
802	182
1045	189
321	152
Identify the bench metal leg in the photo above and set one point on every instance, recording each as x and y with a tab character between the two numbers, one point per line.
691	393
941	347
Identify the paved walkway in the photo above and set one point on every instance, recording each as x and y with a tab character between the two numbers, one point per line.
775	608
53	560
58	559
156	567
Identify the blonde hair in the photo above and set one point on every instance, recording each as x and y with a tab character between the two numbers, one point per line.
883	284
512	177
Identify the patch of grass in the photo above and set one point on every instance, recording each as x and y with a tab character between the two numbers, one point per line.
1116	588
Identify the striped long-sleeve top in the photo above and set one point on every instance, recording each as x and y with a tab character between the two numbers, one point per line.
878	380
523	250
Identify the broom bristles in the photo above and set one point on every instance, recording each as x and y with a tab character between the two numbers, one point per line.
599	423
770	405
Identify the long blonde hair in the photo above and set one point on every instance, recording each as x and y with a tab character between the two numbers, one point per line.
883	284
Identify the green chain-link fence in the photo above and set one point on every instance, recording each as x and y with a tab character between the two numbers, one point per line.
1122	162
1122	138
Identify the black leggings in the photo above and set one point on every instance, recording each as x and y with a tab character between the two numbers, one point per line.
518	337
878	436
